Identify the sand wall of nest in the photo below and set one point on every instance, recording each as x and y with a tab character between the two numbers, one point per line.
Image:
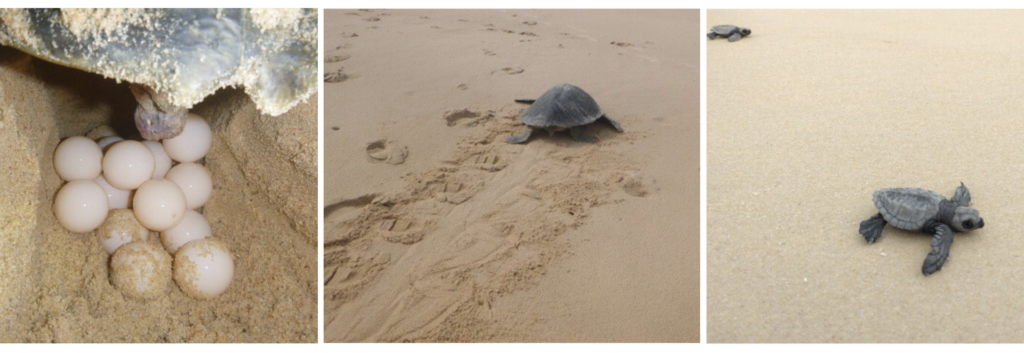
54	285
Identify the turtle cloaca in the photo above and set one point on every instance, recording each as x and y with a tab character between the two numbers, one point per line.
563	107
734	33
927	212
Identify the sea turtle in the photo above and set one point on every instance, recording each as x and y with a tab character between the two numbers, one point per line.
563	107
176	57
927	212
729	31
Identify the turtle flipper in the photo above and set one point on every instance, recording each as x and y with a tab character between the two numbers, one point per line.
962	196
580	134
712	35
941	242
613	122
526	101
735	36
522	137
871	228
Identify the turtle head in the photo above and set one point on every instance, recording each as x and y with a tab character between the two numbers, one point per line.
966	219
745	31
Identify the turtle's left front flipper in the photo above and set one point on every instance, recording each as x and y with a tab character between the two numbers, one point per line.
941	243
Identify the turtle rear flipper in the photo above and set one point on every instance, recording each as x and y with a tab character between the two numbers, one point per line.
580	134
614	123
941	243
712	35
871	228
735	36
522	137
962	196
526	101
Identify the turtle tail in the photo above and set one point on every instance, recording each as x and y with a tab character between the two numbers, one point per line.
871	228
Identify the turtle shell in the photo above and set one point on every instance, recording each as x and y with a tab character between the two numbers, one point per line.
907	208
564	105
724	29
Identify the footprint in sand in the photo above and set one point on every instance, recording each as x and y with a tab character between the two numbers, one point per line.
402	231
488	161
386	151
336	58
528	34
458	189
622	44
530	23
638	186
371	19
335	76
510	70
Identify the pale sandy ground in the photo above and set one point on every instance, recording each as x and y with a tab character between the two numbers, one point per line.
55	285
443	232
815	111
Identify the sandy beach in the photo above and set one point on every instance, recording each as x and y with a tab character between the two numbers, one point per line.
437	230
816	110
55	285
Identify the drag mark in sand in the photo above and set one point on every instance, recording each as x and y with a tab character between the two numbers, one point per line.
425	263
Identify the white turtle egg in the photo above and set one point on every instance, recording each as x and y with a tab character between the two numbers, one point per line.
194	180
116	198
159	204
203	268
193	142
128	164
141	270
107	141
80	206
193	227
120	228
78	158
163	162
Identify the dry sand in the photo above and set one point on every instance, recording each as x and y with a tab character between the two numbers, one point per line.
55	286
818	109
438	230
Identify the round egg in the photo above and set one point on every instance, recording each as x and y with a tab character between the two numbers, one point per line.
128	164
120	228
194	180
193	227
141	270
116	198
193	142
159	204
80	206
163	162
107	141
78	158
203	268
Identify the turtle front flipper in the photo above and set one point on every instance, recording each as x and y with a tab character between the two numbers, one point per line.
962	196
581	134
614	123
941	243
712	35
871	228
526	101
735	36
522	137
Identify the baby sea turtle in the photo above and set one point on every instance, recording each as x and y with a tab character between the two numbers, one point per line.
729	31
563	107
927	212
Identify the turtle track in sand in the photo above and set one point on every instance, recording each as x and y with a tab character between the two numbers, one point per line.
426	262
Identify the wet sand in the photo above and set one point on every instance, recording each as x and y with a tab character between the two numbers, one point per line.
811	114
438	230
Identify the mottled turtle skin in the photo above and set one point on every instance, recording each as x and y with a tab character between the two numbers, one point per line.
734	33
563	107
927	212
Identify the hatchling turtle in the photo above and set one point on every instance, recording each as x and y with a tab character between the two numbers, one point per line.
563	107
927	212
734	33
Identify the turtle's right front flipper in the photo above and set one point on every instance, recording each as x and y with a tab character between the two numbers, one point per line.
522	137
941	243
526	101
871	228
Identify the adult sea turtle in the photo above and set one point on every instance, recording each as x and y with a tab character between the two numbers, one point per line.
563	107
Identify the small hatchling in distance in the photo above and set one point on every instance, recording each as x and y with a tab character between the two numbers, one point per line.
927	212
734	33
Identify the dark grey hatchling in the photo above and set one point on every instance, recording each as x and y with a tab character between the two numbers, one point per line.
734	33
563	107
927	212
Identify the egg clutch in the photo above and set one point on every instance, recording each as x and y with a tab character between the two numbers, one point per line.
123	189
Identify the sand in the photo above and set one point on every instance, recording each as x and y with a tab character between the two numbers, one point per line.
438	230
55	285
818	109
